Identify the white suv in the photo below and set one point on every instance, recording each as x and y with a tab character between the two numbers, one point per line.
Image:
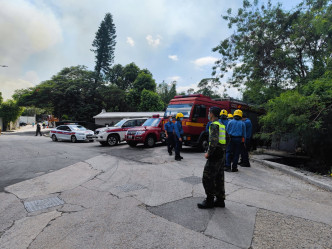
115	134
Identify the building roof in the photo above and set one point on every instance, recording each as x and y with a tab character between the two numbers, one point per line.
127	114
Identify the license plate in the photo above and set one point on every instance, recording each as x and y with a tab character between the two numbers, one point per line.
130	137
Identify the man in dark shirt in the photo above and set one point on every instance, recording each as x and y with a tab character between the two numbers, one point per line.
38	130
213	174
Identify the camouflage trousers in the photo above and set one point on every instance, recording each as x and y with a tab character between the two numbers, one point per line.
213	176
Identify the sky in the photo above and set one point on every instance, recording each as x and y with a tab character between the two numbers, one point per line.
173	39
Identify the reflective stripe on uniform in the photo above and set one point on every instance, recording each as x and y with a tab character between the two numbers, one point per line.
222	132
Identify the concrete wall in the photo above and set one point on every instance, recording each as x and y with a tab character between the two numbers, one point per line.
27	119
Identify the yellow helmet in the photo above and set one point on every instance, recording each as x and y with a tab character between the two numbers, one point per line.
179	115
230	115
223	112
238	112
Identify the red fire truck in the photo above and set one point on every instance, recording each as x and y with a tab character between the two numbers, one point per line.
195	109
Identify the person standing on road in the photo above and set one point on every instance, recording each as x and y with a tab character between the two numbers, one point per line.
169	131
178	136
246	146
236	129
230	117
38	130
213	174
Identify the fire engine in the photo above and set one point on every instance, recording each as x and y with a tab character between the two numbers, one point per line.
195	108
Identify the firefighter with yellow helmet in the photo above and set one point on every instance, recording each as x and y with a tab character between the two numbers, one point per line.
178	135
236	129
223	117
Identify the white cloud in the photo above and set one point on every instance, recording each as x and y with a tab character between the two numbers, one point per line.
9	85
26	29
173	57
130	41
205	61
185	88
153	42
174	78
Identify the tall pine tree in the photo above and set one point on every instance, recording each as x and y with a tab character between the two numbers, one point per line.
104	45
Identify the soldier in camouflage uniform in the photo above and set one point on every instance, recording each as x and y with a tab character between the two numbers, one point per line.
213	174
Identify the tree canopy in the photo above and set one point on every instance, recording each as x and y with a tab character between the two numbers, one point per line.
104	45
282	60
272	49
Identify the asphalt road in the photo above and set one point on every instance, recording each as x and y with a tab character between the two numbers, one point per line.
25	156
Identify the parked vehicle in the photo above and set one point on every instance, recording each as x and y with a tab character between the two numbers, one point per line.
115	134
71	132
151	132
195	109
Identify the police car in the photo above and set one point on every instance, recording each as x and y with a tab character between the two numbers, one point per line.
71	132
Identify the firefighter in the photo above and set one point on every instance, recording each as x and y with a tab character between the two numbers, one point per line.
246	146
223	117
169	131
230	116
178	136
213	174
236	129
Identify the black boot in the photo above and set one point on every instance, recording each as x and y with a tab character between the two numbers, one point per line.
207	203
177	158
219	203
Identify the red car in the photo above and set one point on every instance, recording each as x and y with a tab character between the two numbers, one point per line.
151	132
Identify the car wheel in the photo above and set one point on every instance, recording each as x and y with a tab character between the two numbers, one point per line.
132	144
103	143
54	138
112	140
150	141
73	139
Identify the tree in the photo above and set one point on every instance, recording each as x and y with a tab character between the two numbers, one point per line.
10	111
206	86
1	98
166	91
104	45
150	101
272	49
73	91
144	81
304	114
114	98
191	91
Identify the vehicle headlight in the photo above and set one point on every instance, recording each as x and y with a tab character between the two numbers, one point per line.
140	132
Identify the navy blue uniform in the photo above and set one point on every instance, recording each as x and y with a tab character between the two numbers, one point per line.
169	127
236	130
246	148
178	134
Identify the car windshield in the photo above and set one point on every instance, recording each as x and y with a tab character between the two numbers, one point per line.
120	123
78	128
152	122
172	110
